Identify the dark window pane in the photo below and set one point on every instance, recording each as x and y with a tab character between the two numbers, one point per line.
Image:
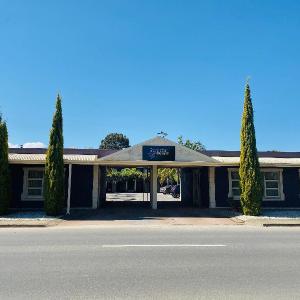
35	174
236	192
34	192
272	193
271	175
235	175
272	184
35	183
235	184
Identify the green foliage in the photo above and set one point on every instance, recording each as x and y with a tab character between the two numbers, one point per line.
197	146
168	174
131	173
115	141
112	175
54	169
250	176
124	174
4	169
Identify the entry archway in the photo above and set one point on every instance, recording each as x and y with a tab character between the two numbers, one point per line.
160	152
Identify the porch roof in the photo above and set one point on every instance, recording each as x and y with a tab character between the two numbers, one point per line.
132	156
16	158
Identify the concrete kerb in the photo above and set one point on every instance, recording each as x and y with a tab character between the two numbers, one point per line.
163	222
271	218
29	223
281	225
29	219
238	221
270	222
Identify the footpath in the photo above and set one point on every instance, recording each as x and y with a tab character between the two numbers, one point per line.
146	217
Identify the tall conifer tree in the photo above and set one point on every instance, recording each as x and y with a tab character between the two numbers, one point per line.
4	168
54	169
250	176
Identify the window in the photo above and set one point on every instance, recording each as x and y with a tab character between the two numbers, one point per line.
272	180
234	184
33	184
273	184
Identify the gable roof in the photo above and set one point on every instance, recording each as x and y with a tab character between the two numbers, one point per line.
182	154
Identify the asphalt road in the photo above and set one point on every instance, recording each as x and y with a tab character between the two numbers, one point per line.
150	263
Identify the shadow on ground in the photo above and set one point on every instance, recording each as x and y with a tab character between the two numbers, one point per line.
142	211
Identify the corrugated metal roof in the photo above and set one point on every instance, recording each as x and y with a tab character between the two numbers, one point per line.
26	157
104	152
76	157
68	151
37	155
262	160
225	153
17	157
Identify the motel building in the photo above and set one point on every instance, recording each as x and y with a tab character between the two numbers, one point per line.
208	179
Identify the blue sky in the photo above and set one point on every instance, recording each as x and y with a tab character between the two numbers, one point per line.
139	67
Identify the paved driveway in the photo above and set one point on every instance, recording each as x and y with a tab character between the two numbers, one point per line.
139	197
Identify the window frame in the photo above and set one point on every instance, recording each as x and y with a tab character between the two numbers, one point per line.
25	196
230	193
281	196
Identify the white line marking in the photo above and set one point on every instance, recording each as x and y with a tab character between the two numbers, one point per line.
162	245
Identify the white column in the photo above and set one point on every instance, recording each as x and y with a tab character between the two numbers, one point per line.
153	196
95	186
69	189
212	187
150	186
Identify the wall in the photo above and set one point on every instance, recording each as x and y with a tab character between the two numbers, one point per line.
82	186
187	186
221	184
204	187
291	188
16	175
81	192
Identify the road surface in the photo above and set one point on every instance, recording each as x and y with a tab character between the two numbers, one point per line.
179	262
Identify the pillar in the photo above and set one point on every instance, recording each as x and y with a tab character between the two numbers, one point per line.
212	187
95	186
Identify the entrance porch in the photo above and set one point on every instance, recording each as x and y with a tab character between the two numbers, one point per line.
197	171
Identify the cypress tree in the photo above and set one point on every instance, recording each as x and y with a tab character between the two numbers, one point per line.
4	168
54	168
250	176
